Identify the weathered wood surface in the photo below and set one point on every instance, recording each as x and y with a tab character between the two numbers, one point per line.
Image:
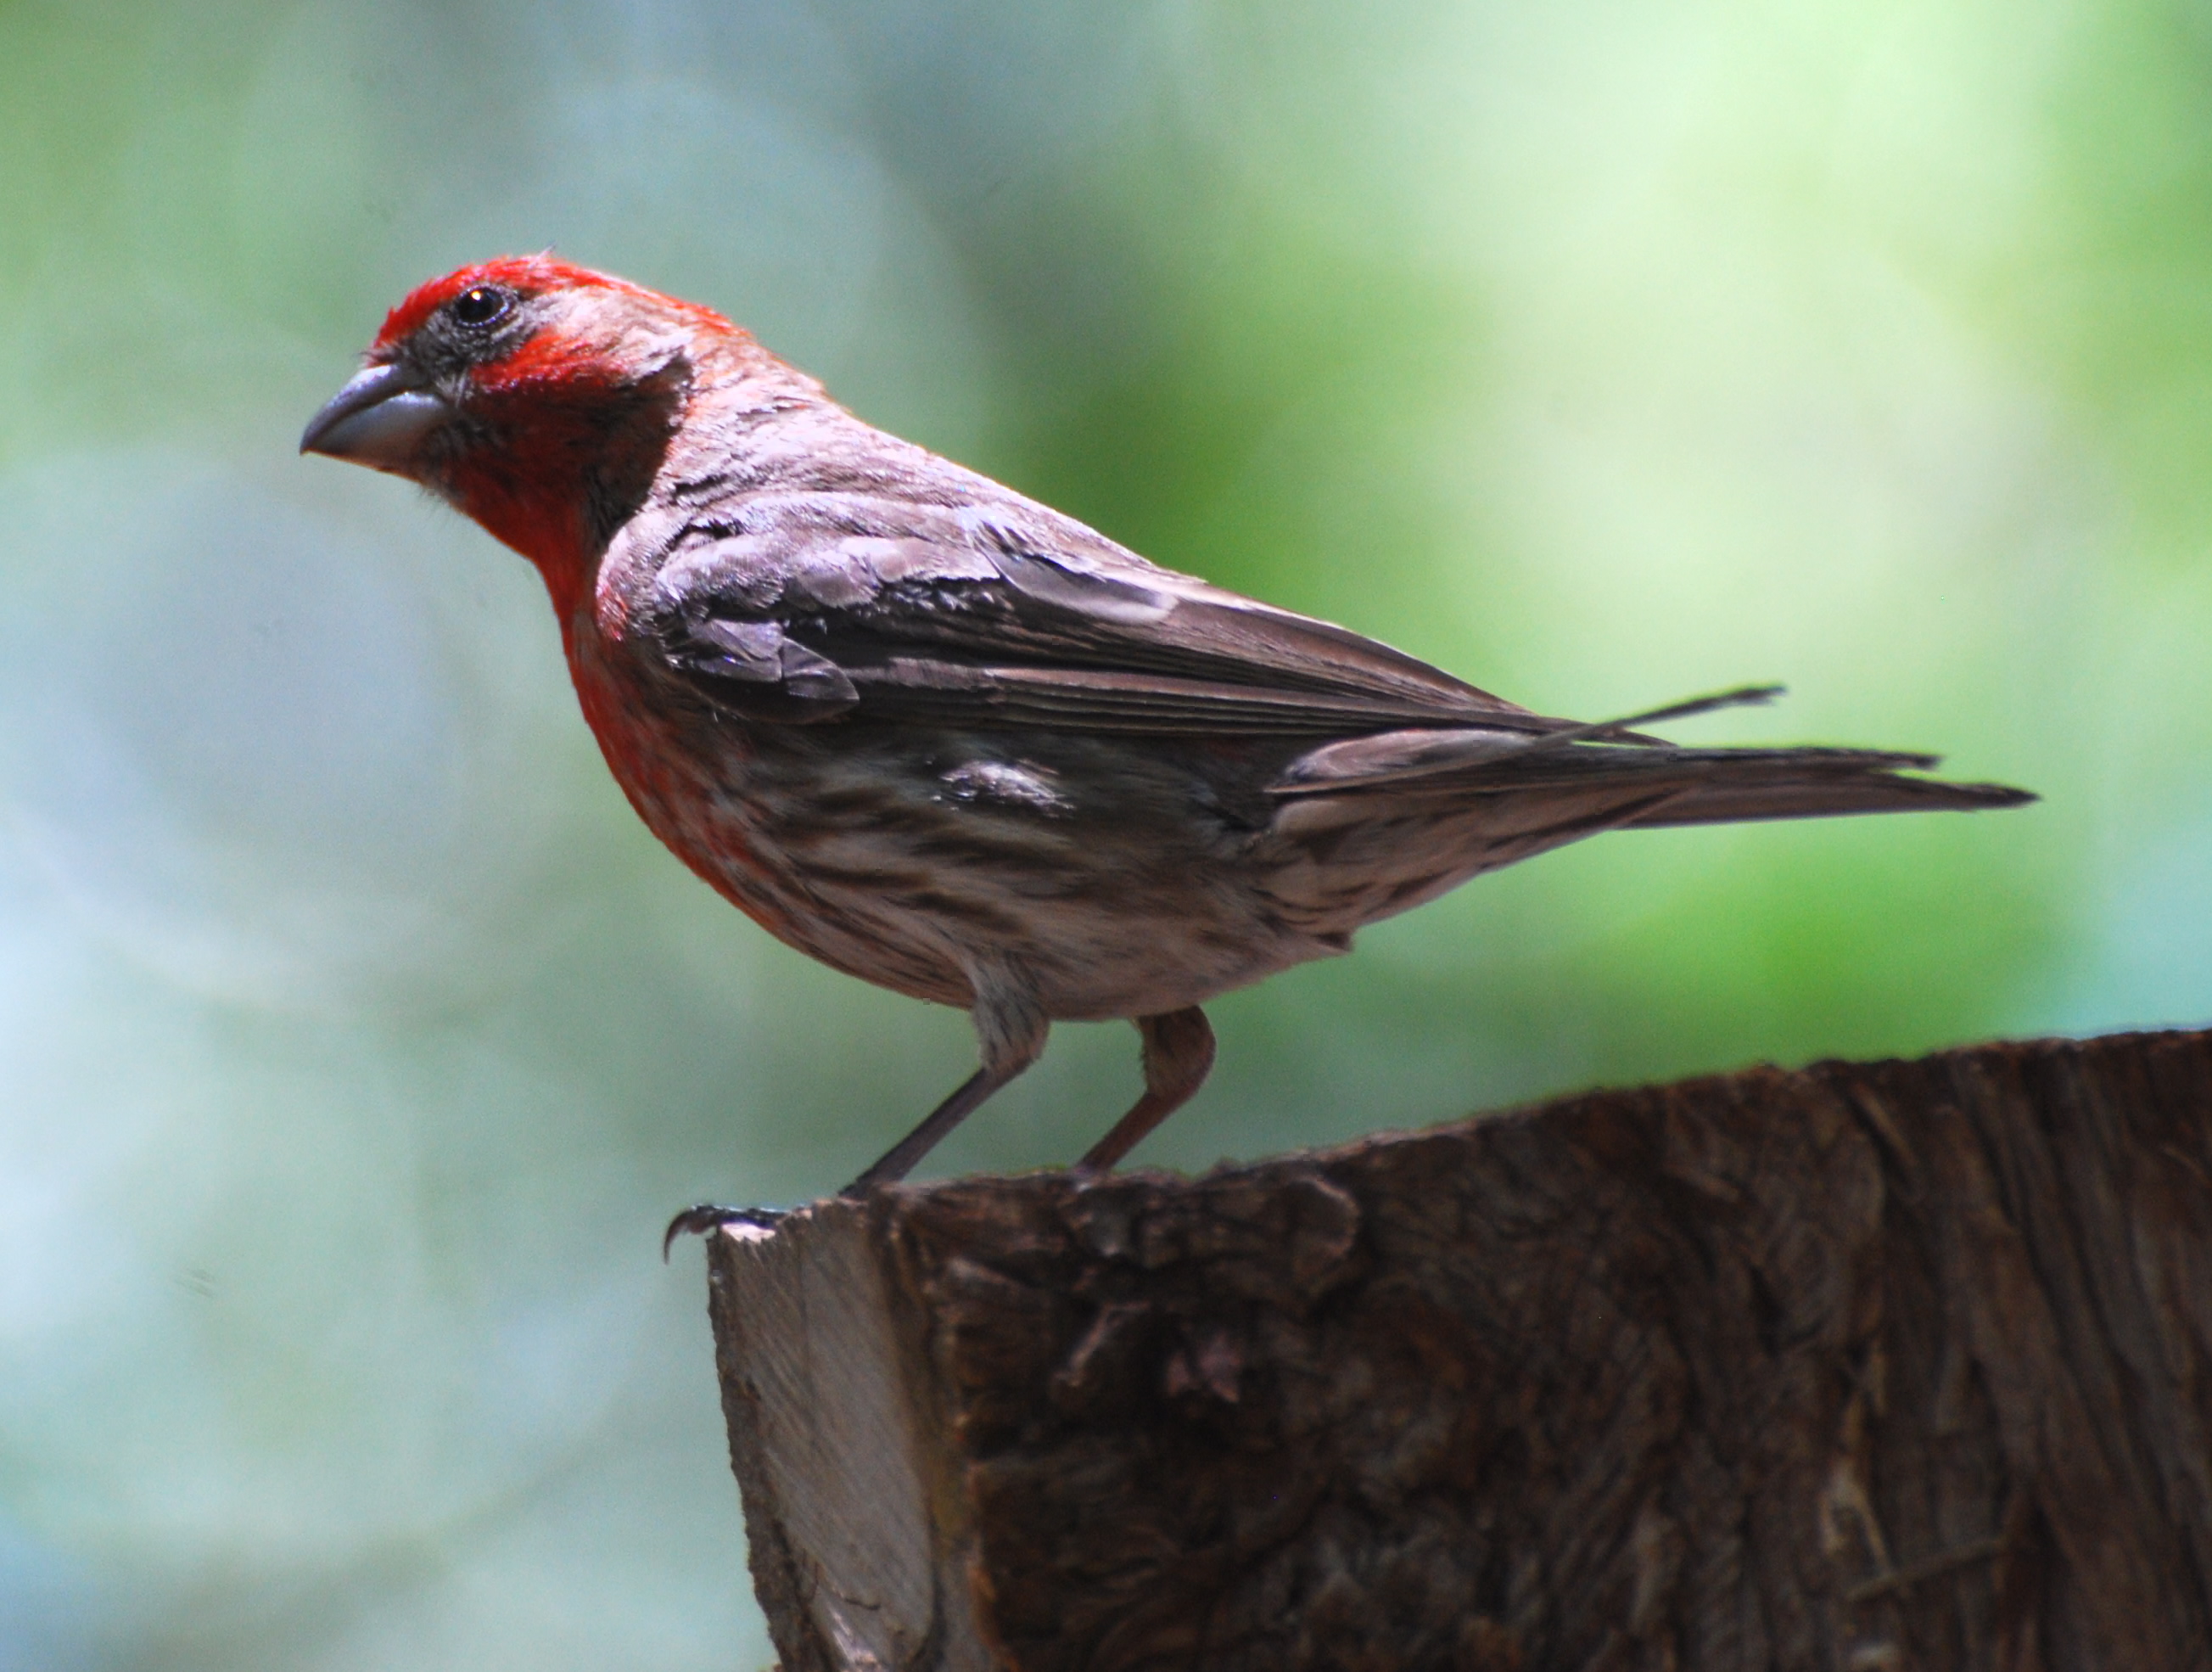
1900	1365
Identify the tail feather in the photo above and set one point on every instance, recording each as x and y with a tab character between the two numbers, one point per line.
1685	785
1721	800
1724	785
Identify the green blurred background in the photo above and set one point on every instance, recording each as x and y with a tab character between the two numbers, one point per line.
355	1040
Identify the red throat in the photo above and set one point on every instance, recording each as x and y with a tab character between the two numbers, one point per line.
550	403
546	522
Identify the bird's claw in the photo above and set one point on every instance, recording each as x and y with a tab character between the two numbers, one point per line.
705	1217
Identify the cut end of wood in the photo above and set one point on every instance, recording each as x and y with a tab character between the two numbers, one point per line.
1864	1365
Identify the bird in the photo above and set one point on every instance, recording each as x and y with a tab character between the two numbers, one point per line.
946	740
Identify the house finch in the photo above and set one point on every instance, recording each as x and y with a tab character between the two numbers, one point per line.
948	740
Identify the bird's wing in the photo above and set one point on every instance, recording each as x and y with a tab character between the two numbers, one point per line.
805	606
805	609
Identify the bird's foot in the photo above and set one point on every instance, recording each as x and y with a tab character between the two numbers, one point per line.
705	1217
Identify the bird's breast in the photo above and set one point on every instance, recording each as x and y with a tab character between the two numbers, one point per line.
750	809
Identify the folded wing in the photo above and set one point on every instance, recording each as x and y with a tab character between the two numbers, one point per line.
804	609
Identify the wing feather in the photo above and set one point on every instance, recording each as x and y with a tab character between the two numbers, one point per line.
806	607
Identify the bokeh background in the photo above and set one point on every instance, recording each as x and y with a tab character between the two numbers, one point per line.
355	1039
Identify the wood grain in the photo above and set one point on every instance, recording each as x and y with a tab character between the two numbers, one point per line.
1898	1364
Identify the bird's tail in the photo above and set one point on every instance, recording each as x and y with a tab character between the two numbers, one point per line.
1732	785
1657	782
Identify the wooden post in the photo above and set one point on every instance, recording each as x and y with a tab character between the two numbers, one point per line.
1868	1366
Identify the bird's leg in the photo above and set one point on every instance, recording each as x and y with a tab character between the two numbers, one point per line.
899	1160
1178	1055
1012	1030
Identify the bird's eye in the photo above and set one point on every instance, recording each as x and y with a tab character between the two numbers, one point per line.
481	306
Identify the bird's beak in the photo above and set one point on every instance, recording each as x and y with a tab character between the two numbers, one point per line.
378	419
